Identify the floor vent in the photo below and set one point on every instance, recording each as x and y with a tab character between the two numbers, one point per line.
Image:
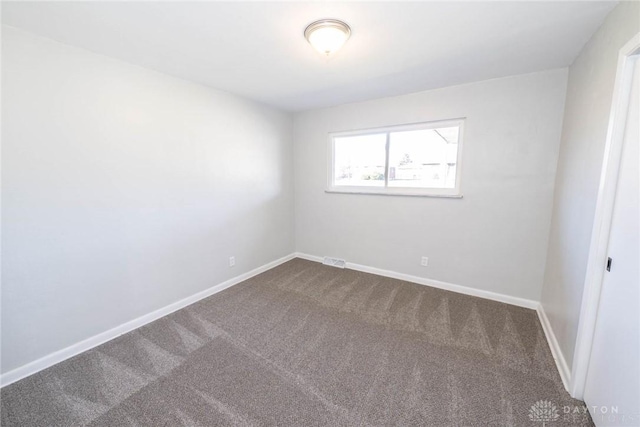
334	262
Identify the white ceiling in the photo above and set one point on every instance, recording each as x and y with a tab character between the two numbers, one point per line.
257	50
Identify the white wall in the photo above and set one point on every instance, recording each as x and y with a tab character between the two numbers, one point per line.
586	117
495	238
125	190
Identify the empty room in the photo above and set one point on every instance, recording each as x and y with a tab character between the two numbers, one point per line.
320	213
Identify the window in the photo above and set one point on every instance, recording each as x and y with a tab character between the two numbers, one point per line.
415	160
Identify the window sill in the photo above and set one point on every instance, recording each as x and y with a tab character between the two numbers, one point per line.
395	193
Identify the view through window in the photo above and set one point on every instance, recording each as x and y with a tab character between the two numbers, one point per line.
412	159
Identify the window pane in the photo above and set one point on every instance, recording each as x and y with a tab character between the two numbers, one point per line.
423	158
359	160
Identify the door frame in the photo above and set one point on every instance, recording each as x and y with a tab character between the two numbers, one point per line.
596	264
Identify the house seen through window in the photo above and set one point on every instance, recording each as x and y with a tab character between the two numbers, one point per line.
420	159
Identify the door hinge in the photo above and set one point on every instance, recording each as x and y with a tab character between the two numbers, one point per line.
609	261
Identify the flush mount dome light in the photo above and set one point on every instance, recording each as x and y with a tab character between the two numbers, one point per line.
327	35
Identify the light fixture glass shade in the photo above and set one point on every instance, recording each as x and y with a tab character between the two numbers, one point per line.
327	35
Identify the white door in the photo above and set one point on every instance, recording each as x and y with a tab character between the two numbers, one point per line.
612	391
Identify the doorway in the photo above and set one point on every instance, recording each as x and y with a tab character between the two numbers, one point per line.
606	369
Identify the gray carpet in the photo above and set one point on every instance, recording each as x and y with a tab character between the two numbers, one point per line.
306	345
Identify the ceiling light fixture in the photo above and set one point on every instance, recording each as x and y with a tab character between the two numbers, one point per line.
327	35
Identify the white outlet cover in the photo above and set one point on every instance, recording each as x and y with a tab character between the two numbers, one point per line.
424	261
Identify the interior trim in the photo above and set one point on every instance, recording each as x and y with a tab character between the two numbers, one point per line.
101	338
508	299
556	351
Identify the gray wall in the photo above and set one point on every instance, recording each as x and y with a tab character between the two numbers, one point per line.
586	118
493	239
119	183
125	190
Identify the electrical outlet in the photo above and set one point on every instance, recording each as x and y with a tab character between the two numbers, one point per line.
424	261
232	261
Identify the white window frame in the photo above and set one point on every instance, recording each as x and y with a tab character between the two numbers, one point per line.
397	191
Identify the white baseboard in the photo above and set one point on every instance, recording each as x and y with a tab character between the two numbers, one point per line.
96	340
89	343
561	363
309	257
520	302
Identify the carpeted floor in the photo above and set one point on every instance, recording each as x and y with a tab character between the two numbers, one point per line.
306	345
